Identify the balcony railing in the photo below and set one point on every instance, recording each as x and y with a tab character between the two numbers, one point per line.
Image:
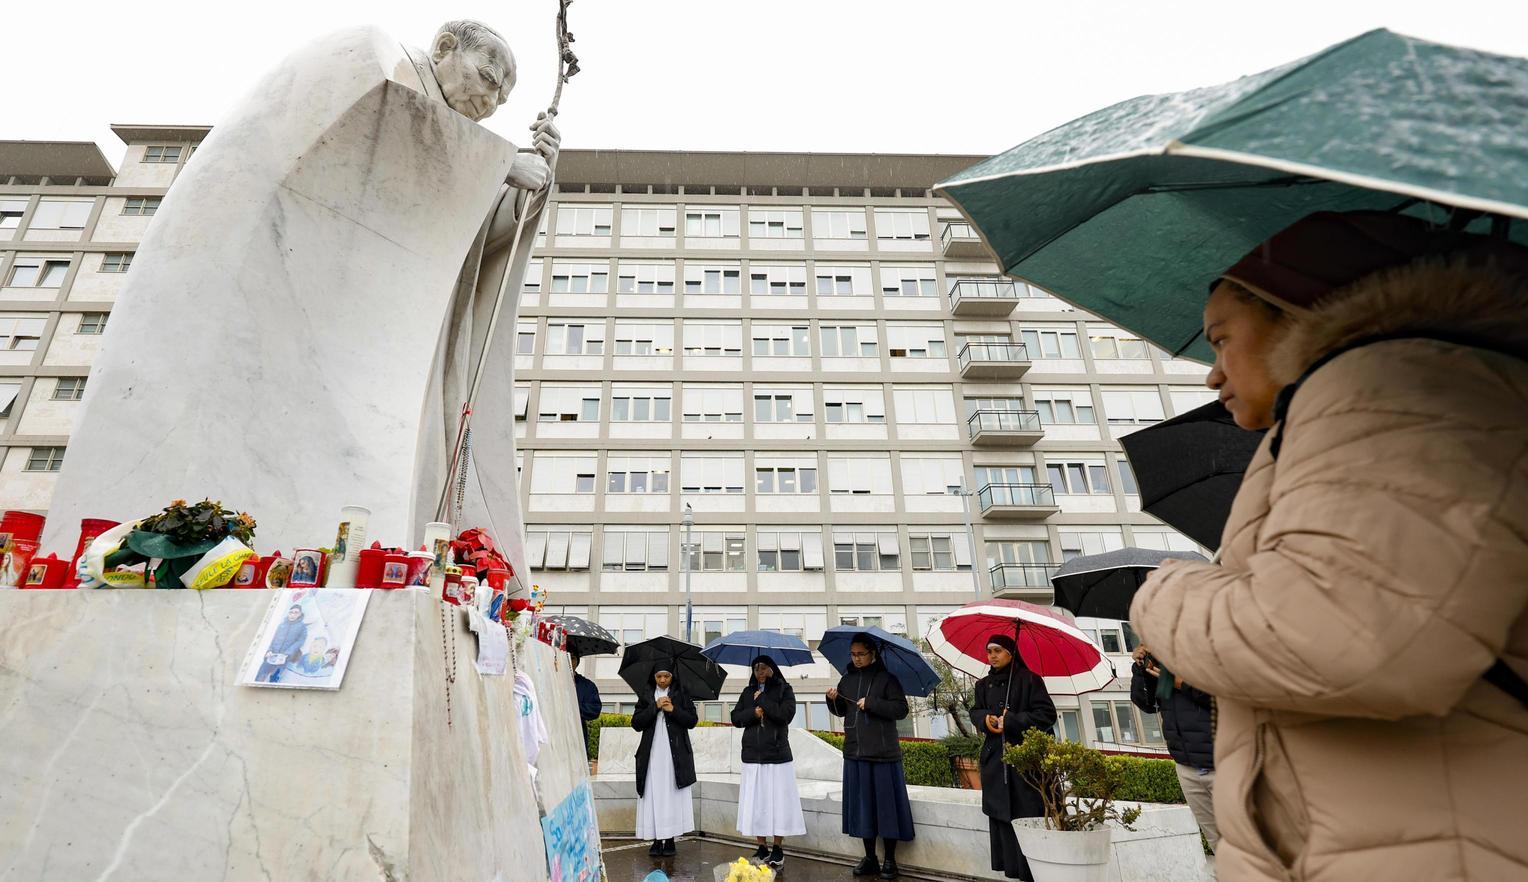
1004	421
983	289
1014	353
1016	495
1007	576
958	231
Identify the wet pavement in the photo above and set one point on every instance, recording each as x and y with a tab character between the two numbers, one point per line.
626	860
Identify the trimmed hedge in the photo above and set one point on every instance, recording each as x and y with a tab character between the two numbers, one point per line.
1148	780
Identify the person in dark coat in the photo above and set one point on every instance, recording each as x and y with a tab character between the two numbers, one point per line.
1188	727
871	700
1010	701
665	763
769	802
589	704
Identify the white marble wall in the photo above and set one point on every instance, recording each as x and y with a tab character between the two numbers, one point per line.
130	754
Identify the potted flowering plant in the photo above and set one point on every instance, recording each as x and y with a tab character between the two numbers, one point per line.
196	546
1078	786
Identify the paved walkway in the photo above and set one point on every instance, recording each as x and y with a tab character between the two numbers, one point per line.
627	861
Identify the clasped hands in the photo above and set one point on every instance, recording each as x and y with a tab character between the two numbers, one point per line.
995	723
666	704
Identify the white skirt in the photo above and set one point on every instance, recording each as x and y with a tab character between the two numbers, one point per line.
768	802
663	810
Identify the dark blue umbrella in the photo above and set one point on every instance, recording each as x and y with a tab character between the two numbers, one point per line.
742	647
901	657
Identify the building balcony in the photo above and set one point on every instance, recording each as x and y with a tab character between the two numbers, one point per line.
1017	502
993	361
983	298
1005	428
961	241
1022	581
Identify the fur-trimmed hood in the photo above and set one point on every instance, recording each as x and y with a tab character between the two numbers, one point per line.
1457	296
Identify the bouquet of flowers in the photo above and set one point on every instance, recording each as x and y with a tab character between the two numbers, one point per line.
743	871
196	546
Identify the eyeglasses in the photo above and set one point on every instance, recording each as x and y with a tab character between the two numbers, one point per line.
853	654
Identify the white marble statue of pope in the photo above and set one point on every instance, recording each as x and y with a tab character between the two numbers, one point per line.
303	316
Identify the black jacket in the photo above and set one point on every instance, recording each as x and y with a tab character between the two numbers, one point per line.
680	722
1186	725
870	734
766	741
589	704
1028	705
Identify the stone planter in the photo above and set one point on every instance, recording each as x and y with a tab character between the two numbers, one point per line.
968	772
1064	856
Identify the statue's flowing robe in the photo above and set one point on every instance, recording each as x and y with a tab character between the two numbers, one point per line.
303	316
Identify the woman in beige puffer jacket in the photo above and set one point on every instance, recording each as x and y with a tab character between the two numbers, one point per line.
1373	571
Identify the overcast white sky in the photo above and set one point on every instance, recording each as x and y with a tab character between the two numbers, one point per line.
882	76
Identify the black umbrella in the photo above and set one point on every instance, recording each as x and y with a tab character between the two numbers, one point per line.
1189	469
1102	585
699	677
578	636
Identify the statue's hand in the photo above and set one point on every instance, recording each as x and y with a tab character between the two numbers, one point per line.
545	138
529	172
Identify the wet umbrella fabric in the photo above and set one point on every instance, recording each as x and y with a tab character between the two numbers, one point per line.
742	647
700	677
1102	585
1189	468
580	637
900	656
1131	212
1050	644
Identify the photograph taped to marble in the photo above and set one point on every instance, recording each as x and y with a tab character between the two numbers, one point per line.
573	838
307	563
307	639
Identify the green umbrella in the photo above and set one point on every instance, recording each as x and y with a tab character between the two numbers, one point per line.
1132	211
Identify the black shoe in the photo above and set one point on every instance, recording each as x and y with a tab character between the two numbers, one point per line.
776	856
655	849
868	866
889	869
762	854
668	848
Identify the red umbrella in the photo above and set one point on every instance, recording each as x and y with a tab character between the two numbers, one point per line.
1050	644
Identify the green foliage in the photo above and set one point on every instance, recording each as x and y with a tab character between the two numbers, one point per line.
190	524
968	746
1079	784
927	763
832	738
952	696
1146	780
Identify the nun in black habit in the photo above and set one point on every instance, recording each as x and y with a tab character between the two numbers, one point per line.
1010	701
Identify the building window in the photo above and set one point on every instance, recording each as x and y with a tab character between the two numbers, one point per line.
713	405
159	153
1127	477
648	222
61	214
1078	543
710	223
580	278
1078	478
1060	407
987	475
939	550
790	551
909	281
776	279
713	338
635	550
780	408
854	405
999	404
1019	563
785	479
641	408
575	339
634	338
37	272
894	223
931	474
915	341
764	223
1069	725
141	206
69	389
1051	344
637	474
843	281
1120	722
928	406
116	262
866	551
8	393
93	323
21	333
44	459
859	475
531	284
831	224
711	472
1133	407
781	340
557	548
1162	539
562	474
568	404
1110	346
718	622
712	278
525	339
645	278
522	407
583	220
11	211
719	552
848	341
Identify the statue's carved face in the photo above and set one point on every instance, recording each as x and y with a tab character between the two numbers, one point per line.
475	81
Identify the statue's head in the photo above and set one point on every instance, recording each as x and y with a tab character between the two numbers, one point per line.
474	67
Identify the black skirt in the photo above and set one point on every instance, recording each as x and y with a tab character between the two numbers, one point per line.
875	801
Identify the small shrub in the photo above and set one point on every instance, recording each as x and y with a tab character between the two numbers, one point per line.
1078	784
832	738
603	720
927	763
968	746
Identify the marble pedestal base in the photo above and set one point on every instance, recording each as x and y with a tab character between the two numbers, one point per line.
128	752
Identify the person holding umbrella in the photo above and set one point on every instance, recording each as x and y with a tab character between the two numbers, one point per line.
1009	701
589	703
665	762
769	803
871	700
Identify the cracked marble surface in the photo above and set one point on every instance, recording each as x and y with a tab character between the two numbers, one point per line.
131	754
